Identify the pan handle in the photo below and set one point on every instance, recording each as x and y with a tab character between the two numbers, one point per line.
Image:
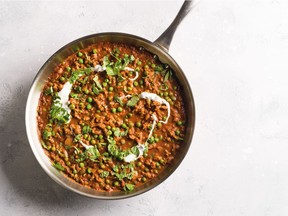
165	38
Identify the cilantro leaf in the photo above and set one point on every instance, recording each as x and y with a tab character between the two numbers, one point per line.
57	113
47	133
129	187
86	129
96	80
118	100
58	166
92	153
49	91
133	101
104	174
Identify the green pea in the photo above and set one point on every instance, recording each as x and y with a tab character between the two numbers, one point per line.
110	89
80	54
107	181
108	127
135	83
89	99
53	148
151	140
100	137
158	165
161	94
74	171
98	111
126	55
113	110
179	123
156	139
146	66
113	129
93	141
160	137
139	63
62	79
72	106
173	98
89	170
81	61
162	161
129	88
166	94
88	107
175	87
153	65
102	166
130	124
177	132
119	109
139	164
124	126
94	51
141	82
104	84
86	91
109	132
68	69
137	69
81	164
116	184
144	179
159	124
129	115
85	136
96	136
81	105
164	118
138	124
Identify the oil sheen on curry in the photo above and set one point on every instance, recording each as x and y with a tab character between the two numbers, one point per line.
111	117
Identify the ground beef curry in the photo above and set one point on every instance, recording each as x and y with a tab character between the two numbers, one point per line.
111	116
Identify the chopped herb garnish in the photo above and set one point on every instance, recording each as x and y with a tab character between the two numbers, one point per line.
57	113
92	153
77	138
98	84
129	187
86	129
58	166
118	100
104	174
49	91
133	101
168	75
47	133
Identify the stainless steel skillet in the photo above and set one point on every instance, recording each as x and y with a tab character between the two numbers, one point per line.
160	48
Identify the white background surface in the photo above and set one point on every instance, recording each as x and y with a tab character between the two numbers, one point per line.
234	53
